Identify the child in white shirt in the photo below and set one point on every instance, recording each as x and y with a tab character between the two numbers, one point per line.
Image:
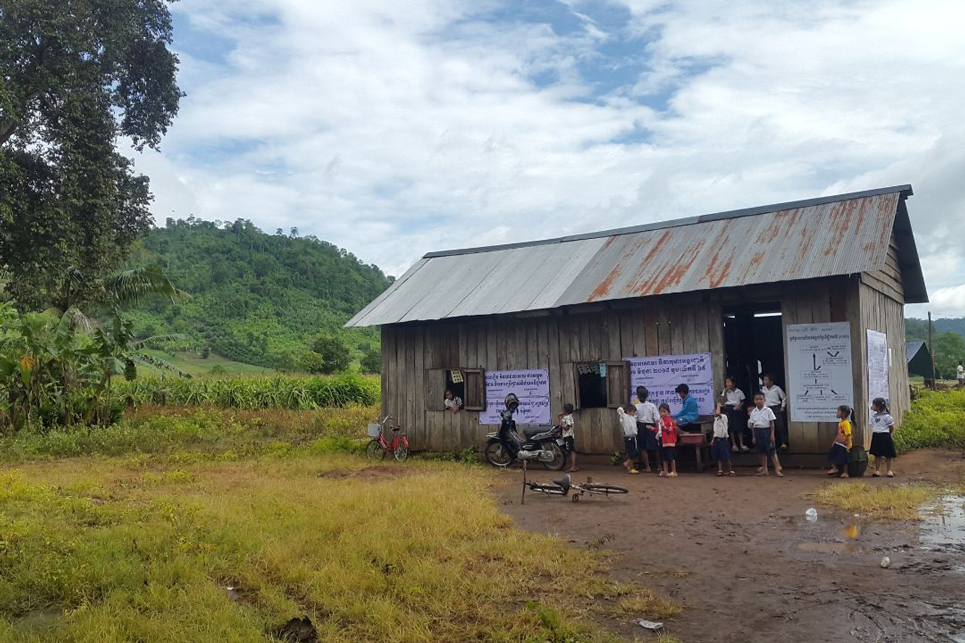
721	443
761	421
628	423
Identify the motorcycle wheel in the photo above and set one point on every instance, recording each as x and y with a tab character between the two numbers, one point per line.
559	458
496	455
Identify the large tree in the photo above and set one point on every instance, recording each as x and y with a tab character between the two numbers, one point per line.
77	76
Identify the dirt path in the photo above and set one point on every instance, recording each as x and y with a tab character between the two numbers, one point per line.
748	565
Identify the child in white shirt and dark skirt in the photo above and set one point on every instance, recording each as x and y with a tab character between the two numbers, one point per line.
882	444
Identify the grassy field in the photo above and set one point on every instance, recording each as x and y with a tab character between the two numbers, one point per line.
192	364
141	537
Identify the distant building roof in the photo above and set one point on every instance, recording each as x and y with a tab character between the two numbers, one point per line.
911	349
919	359
823	237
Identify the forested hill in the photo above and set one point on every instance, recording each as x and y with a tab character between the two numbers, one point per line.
916	330
255	297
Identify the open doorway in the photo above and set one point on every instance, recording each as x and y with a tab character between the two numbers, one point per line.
753	347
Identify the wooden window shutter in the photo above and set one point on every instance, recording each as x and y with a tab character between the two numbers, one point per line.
617	384
436	389
474	380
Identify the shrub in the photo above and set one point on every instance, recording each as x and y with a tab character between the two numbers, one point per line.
936	419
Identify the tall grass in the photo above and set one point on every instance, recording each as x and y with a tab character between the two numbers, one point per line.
936	419
254	392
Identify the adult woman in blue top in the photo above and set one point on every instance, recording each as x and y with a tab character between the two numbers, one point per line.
688	413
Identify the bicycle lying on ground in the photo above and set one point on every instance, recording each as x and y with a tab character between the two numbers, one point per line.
565	486
378	446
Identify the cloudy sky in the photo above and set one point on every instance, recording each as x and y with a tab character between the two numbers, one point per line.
394	128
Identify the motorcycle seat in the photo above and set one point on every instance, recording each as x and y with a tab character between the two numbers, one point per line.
532	431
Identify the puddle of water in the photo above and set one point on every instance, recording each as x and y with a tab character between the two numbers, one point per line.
828	548
943	523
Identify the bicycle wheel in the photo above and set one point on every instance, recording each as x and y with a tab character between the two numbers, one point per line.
496	455
374	451
605	489
551	489
401	452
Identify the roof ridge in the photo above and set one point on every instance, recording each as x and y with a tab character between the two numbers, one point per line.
674	223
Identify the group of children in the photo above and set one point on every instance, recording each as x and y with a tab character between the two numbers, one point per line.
649	429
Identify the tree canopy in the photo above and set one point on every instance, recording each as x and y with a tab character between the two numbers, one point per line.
75	77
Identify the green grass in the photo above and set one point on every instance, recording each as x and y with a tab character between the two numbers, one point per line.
139	539
192	364
936	420
194	434
892	502
297	392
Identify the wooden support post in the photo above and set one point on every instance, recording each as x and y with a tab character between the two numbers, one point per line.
931	350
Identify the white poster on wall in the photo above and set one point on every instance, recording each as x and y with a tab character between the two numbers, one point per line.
532	387
661	375
819	369
878	362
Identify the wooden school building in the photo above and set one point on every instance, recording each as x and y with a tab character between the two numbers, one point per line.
811	291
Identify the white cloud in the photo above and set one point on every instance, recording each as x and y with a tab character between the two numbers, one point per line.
397	128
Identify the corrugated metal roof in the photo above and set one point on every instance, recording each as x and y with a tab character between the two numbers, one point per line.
823	237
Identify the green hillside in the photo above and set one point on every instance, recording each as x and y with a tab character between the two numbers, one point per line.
255	298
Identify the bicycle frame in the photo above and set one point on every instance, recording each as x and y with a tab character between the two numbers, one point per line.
398	437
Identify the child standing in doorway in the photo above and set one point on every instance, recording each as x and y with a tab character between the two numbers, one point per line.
668	441
841	448
721	443
882	445
732	399
567	424
628	423
761	421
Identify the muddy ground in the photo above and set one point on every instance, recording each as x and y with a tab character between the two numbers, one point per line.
749	566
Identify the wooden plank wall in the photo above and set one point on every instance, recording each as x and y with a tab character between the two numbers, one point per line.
807	302
666	326
881	312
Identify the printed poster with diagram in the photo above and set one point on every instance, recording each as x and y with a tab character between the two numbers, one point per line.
819	368
662	373
878	362
532	387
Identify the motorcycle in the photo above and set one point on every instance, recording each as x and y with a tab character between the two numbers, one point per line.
541	444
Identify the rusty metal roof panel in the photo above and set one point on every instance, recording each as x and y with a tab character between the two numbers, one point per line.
793	241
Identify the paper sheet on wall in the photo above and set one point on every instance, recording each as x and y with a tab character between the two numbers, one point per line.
819	369
532	387
661	375
878	359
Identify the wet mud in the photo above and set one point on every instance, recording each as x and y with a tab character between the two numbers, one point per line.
742	556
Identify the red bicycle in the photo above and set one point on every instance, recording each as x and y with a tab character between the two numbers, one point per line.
378	446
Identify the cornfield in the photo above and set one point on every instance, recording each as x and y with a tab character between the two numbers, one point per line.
281	391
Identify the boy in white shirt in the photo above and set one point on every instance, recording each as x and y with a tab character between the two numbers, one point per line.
776	400
761	421
648	417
